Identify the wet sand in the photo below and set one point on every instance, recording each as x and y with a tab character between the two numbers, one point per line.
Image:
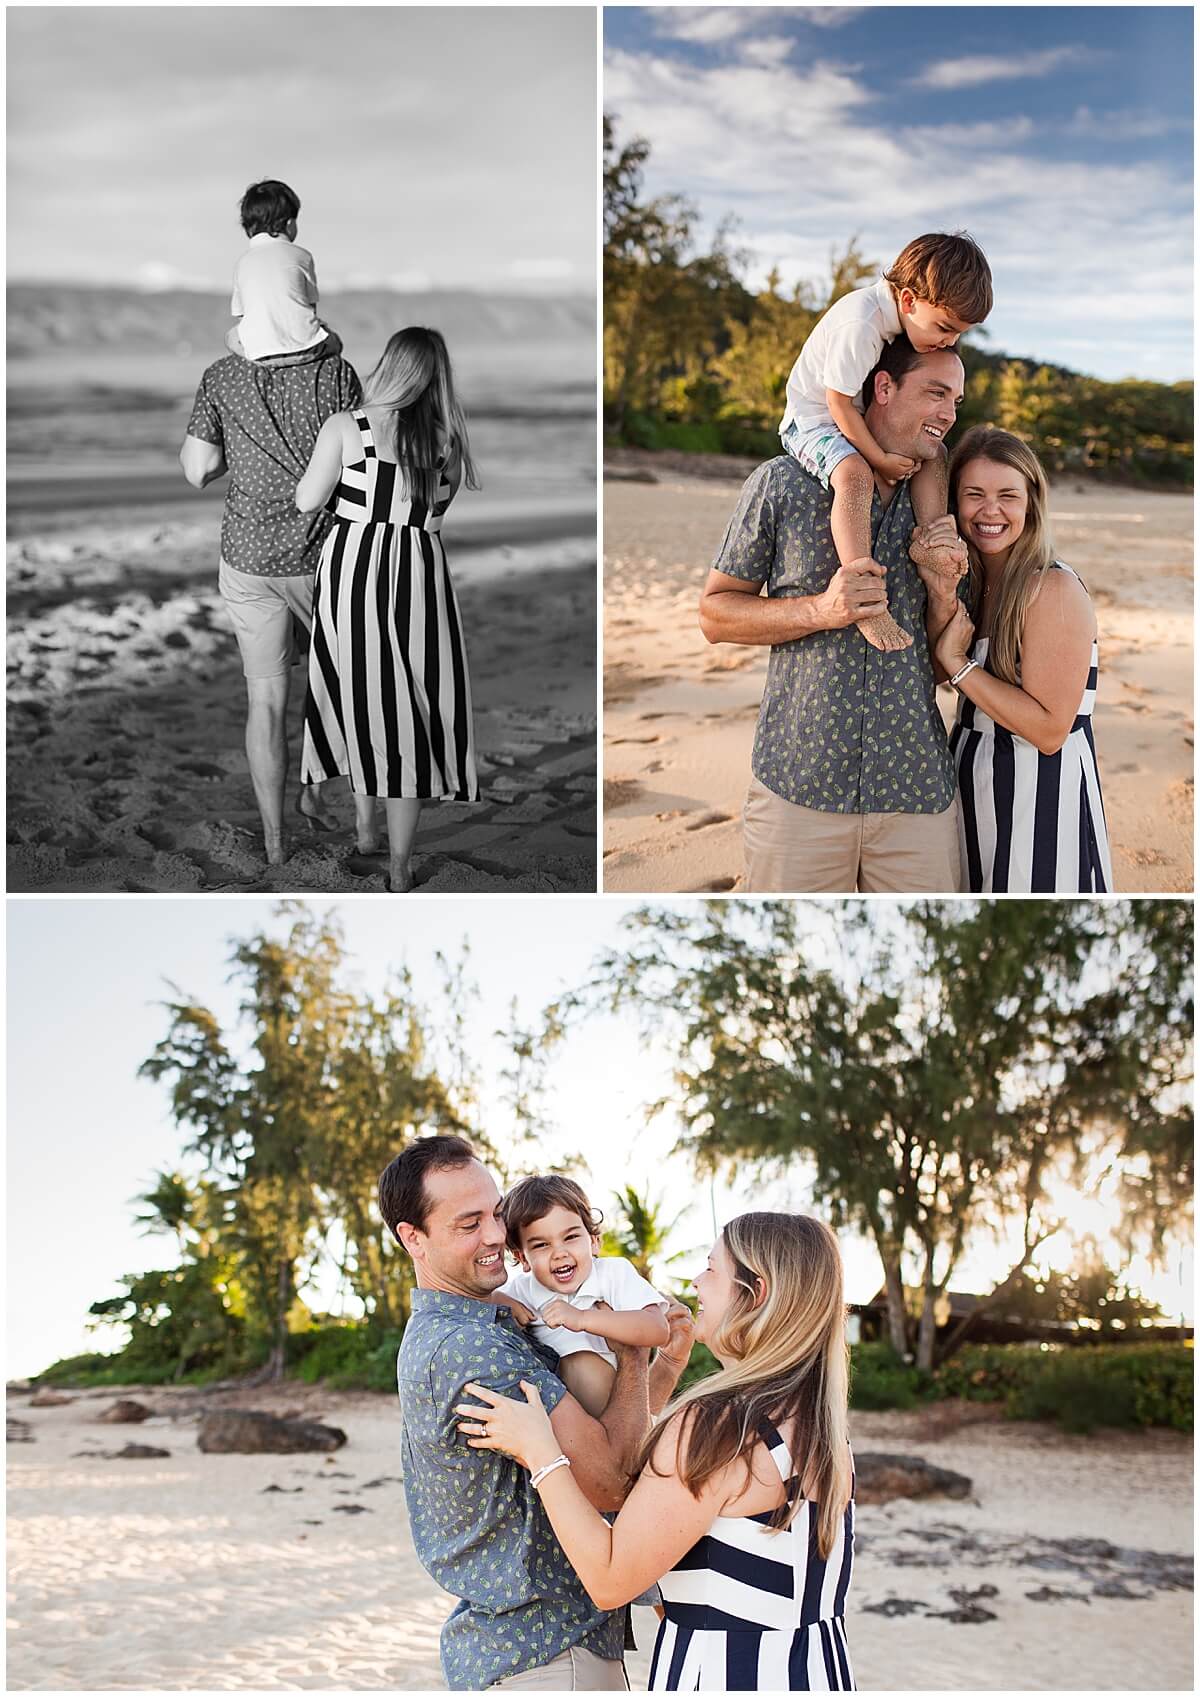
679	715
1067	1569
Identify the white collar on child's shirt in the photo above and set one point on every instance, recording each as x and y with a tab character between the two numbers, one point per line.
888	308
265	236
587	1296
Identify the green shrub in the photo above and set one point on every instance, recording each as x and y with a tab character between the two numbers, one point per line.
1081	1385
878	1379
346	1358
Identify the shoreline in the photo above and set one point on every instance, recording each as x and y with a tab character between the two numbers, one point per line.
191	1572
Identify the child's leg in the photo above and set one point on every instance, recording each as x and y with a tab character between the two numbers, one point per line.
233	341
853	485
930	489
589	1379
930	492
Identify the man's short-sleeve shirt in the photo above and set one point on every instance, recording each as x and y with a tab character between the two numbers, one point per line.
479	1529
265	416
842	728
613	1280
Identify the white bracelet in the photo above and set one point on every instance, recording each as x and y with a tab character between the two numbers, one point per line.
970	665
535	1479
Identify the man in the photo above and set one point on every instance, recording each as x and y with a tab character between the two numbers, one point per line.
523	1619
259	420
853	785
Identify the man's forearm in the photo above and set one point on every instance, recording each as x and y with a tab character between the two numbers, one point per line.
663	1378
759	620
626	1418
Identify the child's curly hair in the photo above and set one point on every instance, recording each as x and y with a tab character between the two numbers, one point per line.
532	1198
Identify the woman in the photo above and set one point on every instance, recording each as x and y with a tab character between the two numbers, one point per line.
389	698
743	1508
1025	663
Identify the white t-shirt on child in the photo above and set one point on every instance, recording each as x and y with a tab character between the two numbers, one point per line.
839	354
275	294
612	1279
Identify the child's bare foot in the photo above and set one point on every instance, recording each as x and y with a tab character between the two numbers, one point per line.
882	632
939	553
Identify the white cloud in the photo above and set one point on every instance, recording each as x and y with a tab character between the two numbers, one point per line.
541	270
767	49
1124	125
797	154
714	23
973	70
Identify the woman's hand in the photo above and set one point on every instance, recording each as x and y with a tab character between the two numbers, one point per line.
519	1429
953	647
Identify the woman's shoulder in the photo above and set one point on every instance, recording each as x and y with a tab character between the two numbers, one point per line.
1062	588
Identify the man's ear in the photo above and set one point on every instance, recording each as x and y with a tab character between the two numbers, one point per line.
883	388
409	1238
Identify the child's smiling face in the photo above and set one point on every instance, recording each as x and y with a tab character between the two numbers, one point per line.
927	326
558	1250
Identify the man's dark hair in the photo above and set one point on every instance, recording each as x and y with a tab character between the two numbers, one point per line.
531	1199
268	208
402	1182
898	358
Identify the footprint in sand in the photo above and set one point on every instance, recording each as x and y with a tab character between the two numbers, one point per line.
619	792
707	819
617	742
202	769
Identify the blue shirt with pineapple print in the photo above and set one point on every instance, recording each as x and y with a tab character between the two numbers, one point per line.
479	1529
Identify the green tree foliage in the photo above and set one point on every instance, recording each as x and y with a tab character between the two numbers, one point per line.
293	1135
640	1231
695	360
927	1070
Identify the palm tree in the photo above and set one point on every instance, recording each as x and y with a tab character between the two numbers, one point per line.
639	1232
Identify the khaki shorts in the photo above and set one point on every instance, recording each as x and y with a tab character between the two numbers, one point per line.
576	1669
797	850
263	612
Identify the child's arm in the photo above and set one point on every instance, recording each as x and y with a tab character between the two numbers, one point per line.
853	427
645	1327
521	1313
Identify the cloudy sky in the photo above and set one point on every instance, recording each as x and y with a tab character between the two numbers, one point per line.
1060	137
85	1138
429	146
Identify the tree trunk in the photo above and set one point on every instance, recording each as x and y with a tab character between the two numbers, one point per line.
896	1311
927	1331
277	1359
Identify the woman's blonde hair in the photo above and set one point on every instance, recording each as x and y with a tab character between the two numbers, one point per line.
788	1363
414	382
1032	553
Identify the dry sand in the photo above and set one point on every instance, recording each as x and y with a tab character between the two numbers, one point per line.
190	1573
127	769
679	716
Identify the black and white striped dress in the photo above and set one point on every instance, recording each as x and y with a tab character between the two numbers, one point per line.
389	696
1030	821
749	1609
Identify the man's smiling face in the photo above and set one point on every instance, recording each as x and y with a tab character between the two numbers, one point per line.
461	1249
913	416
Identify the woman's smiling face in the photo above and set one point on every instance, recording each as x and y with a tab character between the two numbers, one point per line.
992	502
716	1287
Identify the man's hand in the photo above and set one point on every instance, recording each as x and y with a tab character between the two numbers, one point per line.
894	468
940	556
854	592
556	1312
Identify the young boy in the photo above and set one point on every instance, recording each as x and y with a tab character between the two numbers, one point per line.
275	282
939	288
556	1237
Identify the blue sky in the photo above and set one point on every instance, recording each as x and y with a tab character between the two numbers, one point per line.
1060	137
430	147
85	1134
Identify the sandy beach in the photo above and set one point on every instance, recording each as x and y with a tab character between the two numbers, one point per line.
191	1572
679	715
126	700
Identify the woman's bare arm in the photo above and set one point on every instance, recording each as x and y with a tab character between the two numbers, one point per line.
324	468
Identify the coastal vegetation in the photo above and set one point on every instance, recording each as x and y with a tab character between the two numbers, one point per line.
696	360
931	1076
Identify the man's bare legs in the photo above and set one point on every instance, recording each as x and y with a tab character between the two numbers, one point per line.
853	485
266	752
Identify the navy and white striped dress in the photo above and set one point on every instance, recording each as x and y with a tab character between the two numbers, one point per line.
1028	820
389	696
749	1609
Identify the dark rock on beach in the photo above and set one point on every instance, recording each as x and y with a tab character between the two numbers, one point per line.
125	1413
49	1399
880	1478
18	1431
244	1431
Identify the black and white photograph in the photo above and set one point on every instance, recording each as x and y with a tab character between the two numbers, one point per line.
301	448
